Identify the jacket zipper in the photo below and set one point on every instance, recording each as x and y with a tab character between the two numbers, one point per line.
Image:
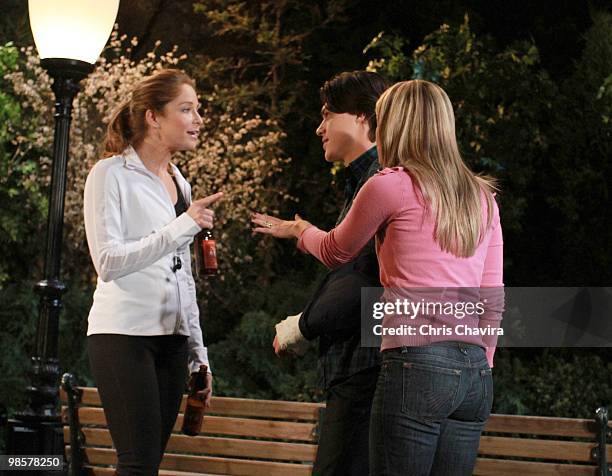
178	290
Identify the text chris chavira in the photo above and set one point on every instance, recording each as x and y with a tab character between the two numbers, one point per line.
411	309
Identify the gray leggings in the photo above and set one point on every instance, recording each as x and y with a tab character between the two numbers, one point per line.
141	380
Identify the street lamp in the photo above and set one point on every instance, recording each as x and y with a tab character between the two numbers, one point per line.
69	36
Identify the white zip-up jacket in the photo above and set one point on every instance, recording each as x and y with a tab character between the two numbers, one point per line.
133	235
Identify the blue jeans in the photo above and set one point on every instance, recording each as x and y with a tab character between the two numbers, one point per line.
429	409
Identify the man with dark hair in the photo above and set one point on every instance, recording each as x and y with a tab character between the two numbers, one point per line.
349	371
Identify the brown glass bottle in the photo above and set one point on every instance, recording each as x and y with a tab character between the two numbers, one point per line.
194	410
205	254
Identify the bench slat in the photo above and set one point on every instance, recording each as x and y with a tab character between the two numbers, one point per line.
536	425
280	409
504	467
263	408
100	471
243	448
542	449
207	464
222	425
215	446
279	430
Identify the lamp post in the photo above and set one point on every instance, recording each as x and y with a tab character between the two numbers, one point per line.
69	36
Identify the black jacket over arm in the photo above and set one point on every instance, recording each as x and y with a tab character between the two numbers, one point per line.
335	308
334	312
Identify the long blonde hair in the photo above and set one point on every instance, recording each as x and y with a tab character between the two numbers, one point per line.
416	130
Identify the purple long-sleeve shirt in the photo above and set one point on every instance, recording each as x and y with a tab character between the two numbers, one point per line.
390	207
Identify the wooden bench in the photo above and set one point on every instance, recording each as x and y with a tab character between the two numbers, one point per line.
266	437
240	437
532	445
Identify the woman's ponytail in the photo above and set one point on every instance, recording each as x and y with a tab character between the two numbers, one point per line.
119	131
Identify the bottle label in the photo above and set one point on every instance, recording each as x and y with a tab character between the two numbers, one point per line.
209	250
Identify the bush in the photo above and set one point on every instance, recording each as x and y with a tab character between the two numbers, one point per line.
244	362
552	382
21	223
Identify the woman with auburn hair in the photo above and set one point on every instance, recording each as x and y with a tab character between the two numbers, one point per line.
144	330
438	235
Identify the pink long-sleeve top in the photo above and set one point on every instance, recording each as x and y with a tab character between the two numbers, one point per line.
390	207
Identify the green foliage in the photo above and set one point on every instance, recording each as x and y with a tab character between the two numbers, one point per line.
19	193
9	56
17	336
21	224
392	61
263	68
244	362
577	184
555	382
605	93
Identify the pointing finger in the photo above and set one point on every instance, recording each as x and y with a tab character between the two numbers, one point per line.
206	201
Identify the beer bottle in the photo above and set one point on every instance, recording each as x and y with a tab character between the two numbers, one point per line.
194	410
205	254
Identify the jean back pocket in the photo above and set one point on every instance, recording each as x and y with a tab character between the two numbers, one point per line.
429	391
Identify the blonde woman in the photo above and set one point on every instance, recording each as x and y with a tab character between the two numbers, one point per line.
436	225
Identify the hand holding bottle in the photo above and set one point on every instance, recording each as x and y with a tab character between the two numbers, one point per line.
200	394
199	211
206	394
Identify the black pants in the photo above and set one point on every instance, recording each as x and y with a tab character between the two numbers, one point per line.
141	380
343	444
